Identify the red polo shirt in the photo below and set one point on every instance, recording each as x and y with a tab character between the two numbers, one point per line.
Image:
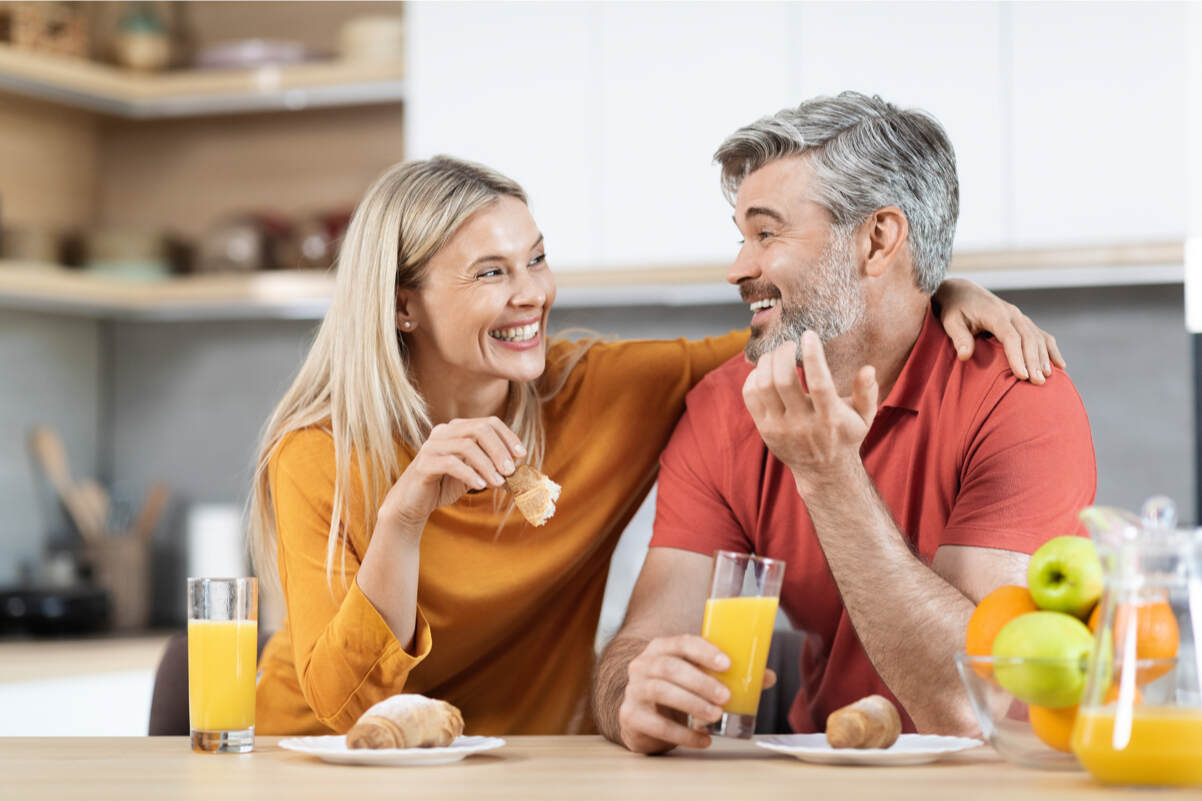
963	453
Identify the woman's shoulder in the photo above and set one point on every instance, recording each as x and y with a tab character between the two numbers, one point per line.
304	450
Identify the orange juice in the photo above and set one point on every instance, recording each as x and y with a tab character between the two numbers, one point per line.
742	628
1165	746
221	674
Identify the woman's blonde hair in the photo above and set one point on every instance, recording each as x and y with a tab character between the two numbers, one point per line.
354	382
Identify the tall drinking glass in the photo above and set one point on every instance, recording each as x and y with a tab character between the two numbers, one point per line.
223	617
739	618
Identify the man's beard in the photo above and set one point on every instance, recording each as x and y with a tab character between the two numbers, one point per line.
832	304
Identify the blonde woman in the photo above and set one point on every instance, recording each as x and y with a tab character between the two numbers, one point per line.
432	376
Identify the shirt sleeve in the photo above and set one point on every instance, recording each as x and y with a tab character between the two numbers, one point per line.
1028	469
346	656
691	507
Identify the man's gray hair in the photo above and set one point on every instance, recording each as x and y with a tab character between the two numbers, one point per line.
866	154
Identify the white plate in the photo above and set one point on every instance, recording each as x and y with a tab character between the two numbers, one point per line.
910	749
332	748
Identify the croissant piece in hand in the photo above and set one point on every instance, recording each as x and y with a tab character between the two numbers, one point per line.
533	493
406	721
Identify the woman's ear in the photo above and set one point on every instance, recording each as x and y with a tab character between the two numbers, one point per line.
888	229
404	320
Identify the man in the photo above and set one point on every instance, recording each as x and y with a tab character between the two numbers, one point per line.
893	519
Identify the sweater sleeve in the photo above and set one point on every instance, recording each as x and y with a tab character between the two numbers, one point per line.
346	656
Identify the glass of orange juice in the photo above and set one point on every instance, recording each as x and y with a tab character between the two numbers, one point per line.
223	617
739	617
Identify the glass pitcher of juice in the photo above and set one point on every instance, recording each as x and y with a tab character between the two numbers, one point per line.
1140	718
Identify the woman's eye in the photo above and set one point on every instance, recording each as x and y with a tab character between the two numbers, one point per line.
494	272
539	259
762	235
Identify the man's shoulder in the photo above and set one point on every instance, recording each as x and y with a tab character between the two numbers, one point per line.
723	386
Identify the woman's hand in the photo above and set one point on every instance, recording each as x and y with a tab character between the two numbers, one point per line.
458	456
968	310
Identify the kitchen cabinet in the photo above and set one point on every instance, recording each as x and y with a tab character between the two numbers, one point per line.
1067	118
188	93
1099	121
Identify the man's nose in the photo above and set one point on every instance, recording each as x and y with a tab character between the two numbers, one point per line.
743	267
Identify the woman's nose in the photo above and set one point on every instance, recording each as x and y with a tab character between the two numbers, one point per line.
528	291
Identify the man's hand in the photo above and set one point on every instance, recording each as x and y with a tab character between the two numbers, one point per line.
810	433
666	683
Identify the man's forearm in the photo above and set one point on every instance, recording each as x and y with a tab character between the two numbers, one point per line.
610	684
908	618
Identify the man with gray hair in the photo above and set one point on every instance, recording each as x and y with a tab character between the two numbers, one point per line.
899	483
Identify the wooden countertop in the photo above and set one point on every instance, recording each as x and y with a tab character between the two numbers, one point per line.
527	768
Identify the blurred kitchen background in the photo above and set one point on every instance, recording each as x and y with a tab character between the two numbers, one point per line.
175	177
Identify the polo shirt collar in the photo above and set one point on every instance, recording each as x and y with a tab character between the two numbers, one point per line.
908	389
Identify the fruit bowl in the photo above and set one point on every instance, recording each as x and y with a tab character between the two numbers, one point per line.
1005	720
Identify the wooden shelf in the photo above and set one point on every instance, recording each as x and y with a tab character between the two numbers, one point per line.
124	93
305	295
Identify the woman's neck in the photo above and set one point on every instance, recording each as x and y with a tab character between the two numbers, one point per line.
452	397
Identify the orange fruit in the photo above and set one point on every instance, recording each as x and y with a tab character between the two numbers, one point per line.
1156	635
993	612
1112	695
1053	727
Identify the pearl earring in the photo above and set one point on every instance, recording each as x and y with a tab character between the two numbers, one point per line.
407	325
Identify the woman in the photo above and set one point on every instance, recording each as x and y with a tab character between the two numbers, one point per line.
377	497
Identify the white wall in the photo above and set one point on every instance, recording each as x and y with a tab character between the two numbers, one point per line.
1068	118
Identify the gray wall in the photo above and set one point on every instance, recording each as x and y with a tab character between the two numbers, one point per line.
50	373
183	402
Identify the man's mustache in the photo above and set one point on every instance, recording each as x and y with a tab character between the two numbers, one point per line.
757	290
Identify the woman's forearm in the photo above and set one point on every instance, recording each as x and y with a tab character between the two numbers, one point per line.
388	577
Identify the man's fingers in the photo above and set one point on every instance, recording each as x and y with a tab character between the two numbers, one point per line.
818	375
864	394
765	386
692	647
673	696
785	378
647	722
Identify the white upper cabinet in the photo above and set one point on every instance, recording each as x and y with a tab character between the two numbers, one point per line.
1068	119
515	86
1099	98
944	58
677	79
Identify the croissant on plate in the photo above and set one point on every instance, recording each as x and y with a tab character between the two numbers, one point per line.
871	722
406	721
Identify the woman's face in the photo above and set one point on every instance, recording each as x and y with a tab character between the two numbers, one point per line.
482	310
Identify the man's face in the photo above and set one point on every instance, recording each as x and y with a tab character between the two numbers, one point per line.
795	269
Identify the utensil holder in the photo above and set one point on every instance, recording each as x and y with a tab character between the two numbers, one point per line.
120	565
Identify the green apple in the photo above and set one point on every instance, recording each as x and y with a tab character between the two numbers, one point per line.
1065	575
1055	649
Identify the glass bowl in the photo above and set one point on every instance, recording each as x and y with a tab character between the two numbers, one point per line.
1003	718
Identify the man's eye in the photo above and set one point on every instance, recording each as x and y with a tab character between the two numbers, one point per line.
762	235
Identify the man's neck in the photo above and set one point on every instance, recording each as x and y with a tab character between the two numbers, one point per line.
884	340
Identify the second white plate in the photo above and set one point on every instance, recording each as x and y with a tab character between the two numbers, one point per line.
332	748
910	749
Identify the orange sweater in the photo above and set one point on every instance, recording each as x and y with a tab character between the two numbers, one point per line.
506	620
